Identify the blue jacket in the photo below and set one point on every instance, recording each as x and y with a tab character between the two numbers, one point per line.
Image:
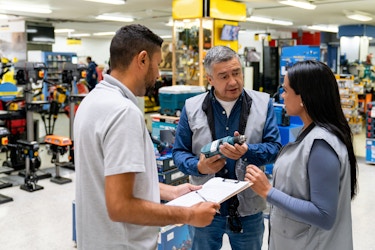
92	75
203	120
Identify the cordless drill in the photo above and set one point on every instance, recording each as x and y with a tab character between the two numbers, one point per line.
212	148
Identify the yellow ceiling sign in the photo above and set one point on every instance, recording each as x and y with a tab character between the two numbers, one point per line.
187	9
73	41
228	10
4	27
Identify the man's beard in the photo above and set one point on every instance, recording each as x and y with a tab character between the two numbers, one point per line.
149	82
150	91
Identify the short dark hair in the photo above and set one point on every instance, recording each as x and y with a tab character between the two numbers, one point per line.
128	41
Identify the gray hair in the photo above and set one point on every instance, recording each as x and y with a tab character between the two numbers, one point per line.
218	54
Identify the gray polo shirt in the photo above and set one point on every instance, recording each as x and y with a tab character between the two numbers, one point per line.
111	138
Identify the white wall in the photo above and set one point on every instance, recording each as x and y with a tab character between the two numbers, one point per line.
246	39
98	49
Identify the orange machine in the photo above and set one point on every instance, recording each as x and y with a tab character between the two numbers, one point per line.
58	145
58	140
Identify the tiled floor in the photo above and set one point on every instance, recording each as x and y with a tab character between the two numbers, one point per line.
42	220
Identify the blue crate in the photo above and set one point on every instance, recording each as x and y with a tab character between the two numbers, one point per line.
172	98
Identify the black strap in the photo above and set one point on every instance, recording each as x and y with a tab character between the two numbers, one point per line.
235	224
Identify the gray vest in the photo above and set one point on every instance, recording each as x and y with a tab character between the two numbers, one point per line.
250	203
291	177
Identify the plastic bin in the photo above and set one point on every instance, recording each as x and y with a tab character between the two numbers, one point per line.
172	98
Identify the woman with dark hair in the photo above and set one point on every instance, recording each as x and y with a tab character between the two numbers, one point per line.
315	177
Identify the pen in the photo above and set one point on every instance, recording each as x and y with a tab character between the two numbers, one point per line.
201	196
217	211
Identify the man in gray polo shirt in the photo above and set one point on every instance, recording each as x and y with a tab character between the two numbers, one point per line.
117	190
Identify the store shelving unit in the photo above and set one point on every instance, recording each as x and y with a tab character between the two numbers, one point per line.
196	28
55	62
349	91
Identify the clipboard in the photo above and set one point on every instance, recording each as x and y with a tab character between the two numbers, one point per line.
217	190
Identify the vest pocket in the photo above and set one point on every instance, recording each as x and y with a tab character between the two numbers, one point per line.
287	227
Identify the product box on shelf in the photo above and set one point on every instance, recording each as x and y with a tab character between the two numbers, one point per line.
174	237
370	120
356	124
171	176
165	163
162	122
345	81
370	151
180	181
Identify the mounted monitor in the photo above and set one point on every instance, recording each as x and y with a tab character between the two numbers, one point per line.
229	32
40	34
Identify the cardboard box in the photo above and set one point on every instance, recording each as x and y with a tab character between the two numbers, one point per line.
174	237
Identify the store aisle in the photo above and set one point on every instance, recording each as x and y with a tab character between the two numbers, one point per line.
42	220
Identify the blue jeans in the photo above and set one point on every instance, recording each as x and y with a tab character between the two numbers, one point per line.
211	237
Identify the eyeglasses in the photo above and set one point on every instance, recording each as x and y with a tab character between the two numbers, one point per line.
235	224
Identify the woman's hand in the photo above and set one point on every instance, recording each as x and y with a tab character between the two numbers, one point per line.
261	184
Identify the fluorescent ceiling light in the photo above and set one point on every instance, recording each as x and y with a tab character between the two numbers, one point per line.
359	16
4	16
25	8
33	31
326	28
166	36
64	30
258	19
80	35
115	18
299	4
111	33
116	2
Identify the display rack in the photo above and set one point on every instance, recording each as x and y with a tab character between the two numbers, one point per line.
198	26
55	62
349	92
